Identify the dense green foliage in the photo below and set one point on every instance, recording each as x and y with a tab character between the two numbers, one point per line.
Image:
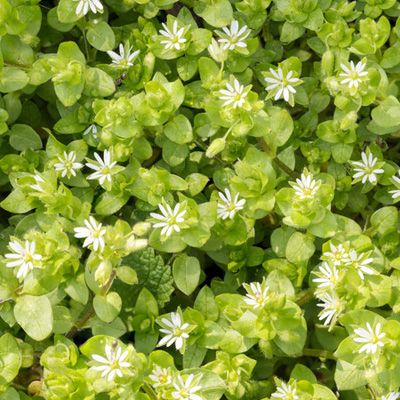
198	199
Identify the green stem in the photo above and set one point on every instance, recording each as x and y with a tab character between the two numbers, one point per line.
149	391
319	354
304	297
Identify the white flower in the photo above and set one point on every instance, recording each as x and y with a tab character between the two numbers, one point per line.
337	255
331	308
391	396
360	263
366	169
217	51
328	276
91	129
395	193
37	186
371	338
257	294
234	95
306	187
169	218
103	168
282	83
67	164
175	38
84	5
112	363
93	234
353	75
229	207
233	37
285	392
174	330
160	376
186	390
125	56
24	258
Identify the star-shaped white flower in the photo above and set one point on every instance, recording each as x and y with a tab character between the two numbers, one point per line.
24	258
93	233
370	337
257	294
229	206
160	376
67	165
286	391
186	390
233	37
169	219
331	308
328	277
38	185
353	75
84	6
391	396
360	263
366	169
175	39
234	95
306	187
103	168
395	193
337	255
113	363
175	331
282	84
125	57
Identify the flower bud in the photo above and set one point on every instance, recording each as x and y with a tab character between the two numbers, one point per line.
215	147
141	228
103	272
349	121
217	52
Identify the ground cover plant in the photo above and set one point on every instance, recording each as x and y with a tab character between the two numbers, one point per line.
199	199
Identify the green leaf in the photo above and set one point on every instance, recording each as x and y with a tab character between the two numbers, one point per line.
206	304
16	202
107	307
146	304
23	137
179	130
109	203
12	79
219	13
101	36
387	114
186	273
35	316
10	358
98	83
152	274
300	247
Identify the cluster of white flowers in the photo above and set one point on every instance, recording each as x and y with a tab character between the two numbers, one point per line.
370	338
175	331
306	187
113	364
335	263
257	294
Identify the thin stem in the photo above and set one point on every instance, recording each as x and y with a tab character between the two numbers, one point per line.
90	312
304	297
319	353
149	391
